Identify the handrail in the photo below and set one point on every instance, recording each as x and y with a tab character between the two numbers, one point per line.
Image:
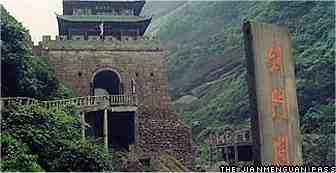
237	137
112	100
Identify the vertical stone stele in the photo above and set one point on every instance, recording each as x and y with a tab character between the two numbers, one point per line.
272	94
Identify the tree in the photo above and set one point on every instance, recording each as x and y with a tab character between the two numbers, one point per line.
21	73
53	141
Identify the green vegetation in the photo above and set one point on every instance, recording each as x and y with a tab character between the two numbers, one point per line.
36	139
16	155
21	73
32	137
207	74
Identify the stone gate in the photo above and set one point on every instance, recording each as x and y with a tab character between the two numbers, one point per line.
106	53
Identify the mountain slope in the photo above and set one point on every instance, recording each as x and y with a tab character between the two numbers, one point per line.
206	66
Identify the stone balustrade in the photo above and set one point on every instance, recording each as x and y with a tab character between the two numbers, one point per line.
78	42
63	38
237	137
18	101
47	38
108	100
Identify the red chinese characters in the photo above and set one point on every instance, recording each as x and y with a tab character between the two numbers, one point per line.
279	106
274	57
280	150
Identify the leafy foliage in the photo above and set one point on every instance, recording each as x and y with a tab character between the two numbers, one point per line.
318	127
54	139
34	138
21	73
16	156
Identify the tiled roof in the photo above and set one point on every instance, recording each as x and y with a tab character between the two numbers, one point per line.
104	18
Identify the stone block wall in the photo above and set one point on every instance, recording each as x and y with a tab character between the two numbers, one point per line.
158	129
161	130
166	135
76	68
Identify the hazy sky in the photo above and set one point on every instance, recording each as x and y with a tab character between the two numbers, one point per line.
36	15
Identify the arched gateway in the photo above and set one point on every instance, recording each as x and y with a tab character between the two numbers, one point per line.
106	82
118	132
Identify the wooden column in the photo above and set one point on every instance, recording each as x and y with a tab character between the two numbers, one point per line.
82	117
105	132
272	93
236	152
226	154
210	155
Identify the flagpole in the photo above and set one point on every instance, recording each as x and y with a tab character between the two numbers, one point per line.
101	27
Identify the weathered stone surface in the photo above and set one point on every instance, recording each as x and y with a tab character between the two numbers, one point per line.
78	67
132	166
158	129
164	132
273	100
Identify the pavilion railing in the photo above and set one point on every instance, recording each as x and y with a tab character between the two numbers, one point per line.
237	137
112	100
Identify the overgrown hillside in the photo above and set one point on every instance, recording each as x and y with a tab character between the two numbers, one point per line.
206	65
22	74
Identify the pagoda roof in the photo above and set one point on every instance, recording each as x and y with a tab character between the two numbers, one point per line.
103	18
136	4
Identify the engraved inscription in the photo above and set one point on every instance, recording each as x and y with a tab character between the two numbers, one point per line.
274	57
279	106
280	150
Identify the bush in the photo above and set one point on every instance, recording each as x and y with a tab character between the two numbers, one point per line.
16	156
21	73
55	138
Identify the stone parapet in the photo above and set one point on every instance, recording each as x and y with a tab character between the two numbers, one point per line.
96	43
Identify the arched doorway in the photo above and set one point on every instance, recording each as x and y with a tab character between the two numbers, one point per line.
106	82
120	124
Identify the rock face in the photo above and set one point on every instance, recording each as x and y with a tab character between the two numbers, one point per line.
138	65
167	163
132	166
160	130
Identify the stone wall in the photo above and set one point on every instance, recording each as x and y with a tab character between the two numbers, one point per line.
158	135
77	67
160	130
77	62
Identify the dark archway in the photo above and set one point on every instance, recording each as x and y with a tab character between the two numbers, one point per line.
121	128
121	131
106	82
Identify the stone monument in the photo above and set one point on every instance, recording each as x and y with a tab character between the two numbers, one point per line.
272	92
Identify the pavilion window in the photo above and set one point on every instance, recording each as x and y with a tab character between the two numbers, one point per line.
117	11
88	11
82	11
127	12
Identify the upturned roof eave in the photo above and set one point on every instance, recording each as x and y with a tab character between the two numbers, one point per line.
101	18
